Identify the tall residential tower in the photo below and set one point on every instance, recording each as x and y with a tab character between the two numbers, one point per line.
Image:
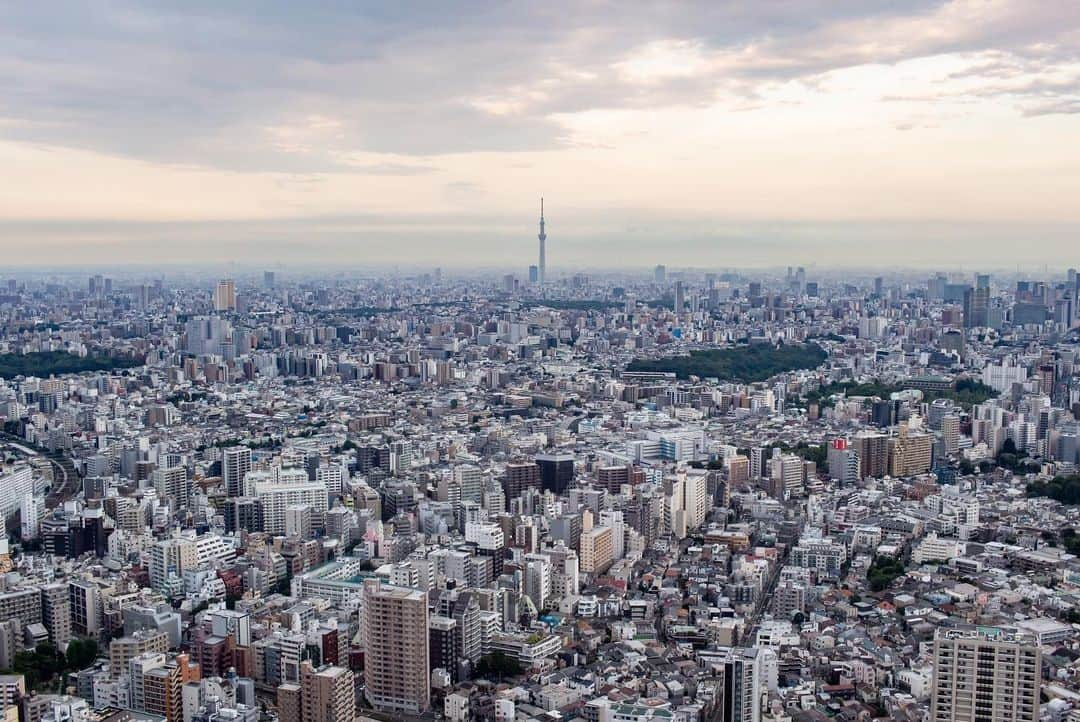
395	634
985	674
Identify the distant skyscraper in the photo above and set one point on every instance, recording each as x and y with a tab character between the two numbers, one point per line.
542	266
976	305
225	296
660	274
680	297
268	279
534	275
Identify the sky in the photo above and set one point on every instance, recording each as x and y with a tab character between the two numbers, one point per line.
714	134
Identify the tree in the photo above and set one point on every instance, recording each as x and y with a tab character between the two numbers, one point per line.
756	362
497	664
1065	489
81	653
1009	447
883	570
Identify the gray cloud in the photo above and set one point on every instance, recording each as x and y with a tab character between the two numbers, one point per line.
1067	106
207	83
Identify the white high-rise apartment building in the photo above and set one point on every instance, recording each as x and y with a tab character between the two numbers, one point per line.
171	557
172	483
614	519
235	464
277	496
471	482
538	579
14	486
32	509
332	476
742	682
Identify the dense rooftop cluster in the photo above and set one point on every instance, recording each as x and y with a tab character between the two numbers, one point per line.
692	496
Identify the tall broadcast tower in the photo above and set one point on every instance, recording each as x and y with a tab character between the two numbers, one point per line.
543	237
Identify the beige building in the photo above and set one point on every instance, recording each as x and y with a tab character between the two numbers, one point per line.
738	471
225	296
985	674
326	694
159	684
56	612
124	649
597	550
395	635
290	702
910	453
12	689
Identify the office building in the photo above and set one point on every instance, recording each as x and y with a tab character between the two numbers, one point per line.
977	303
556	471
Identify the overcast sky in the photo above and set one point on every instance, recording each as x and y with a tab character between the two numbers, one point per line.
717	134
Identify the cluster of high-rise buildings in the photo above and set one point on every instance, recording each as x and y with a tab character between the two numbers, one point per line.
432	496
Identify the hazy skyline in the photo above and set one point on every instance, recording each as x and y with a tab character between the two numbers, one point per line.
724	134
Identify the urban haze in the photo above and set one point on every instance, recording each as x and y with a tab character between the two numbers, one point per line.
540	362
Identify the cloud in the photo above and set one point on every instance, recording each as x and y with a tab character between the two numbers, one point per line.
297	88
1066	106
245	113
